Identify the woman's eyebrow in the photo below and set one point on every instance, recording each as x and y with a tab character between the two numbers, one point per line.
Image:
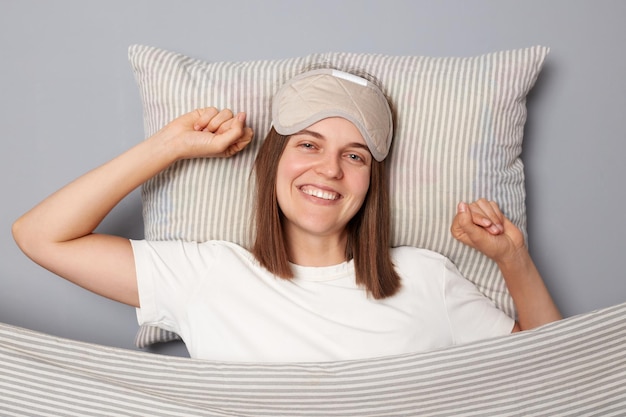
310	133
320	136
359	145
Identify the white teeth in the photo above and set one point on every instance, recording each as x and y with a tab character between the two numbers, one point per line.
325	195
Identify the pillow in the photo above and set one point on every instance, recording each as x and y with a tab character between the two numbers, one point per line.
459	130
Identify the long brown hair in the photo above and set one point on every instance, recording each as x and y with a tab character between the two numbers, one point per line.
368	231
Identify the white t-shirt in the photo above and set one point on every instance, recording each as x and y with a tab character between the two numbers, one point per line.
226	307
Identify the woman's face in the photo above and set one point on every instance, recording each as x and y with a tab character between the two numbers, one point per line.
322	178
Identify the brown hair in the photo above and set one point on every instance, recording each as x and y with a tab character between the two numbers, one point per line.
368	231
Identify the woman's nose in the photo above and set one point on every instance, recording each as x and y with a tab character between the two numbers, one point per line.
330	166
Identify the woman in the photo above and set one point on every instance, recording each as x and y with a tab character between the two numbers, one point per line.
320	282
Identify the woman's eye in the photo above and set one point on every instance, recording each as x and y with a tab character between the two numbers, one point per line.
355	157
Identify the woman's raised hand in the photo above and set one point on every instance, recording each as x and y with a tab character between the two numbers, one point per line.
58	233
207	132
484	227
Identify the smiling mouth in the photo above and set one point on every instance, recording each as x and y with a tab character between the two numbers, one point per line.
322	194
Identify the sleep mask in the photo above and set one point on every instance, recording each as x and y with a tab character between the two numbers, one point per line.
319	94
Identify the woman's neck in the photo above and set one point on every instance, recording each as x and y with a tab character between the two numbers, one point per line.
317	250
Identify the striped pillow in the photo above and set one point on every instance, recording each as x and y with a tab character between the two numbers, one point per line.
459	129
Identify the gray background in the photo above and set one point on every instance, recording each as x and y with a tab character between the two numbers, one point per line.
69	103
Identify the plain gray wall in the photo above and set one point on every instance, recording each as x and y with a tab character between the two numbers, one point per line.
69	103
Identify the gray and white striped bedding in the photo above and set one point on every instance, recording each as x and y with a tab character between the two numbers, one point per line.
573	367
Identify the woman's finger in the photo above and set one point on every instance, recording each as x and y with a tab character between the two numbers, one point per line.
233	138
487	214
224	116
203	117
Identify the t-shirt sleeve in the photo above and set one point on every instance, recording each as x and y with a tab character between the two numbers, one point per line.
166	273
471	314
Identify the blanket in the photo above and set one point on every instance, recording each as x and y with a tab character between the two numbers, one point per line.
576	366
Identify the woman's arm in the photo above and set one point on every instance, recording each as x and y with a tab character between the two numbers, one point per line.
482	226
58	232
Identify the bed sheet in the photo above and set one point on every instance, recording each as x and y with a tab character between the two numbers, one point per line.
576	366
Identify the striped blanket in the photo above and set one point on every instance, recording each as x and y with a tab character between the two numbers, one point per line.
573	367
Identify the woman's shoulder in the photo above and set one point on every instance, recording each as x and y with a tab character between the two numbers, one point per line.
415	254
193	249
411	262
209	244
